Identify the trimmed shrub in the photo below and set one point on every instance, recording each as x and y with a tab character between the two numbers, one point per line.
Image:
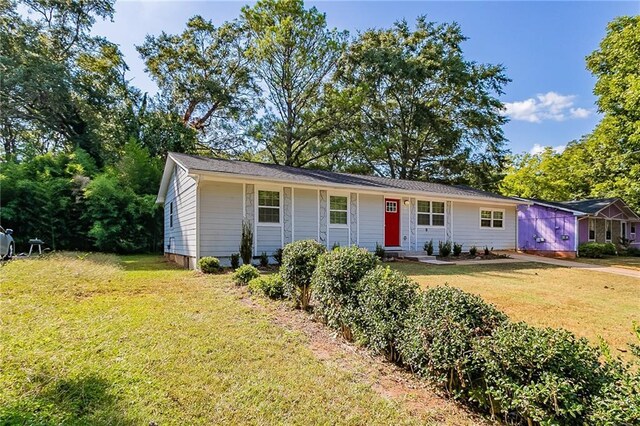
277	255
457	249
209	265
335	284
473	251
271	286
299	260
384	301
540	375
264	259
633	251
246	243
487	252
438	335
596	250
244	274
444	249
380	251
428	247
335	245
235	260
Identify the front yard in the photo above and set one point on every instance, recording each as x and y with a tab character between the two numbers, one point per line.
627	262
588	303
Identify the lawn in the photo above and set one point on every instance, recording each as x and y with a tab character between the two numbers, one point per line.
588	303
626	262
95	340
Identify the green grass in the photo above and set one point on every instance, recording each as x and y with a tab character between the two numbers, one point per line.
91	340
626	262
588	303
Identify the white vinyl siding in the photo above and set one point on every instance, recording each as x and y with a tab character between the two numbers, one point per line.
180	236
338	236
220	218
371	221
467	231
268	239
305	214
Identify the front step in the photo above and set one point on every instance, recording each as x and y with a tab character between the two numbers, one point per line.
418	256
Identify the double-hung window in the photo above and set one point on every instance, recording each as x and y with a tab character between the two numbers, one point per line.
171	214
490	218
268	207
430	213
338	210
592	229
632	231
607	232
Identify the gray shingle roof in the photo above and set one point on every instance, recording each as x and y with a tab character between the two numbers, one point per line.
321	177
588	205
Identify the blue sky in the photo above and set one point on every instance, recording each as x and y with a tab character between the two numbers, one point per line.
542	45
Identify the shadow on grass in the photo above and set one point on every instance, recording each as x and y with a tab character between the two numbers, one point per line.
147	262
522	268
85	400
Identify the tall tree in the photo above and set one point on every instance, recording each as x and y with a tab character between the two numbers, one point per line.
204	78
424	111
294	55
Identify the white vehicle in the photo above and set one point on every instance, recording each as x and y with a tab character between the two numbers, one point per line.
7	245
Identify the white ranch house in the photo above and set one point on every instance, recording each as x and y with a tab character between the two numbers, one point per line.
206	200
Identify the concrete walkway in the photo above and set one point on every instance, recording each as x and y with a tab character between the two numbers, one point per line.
576	265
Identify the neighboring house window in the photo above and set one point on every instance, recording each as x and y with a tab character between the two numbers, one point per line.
171	214
430	213
338	210
592	229
268	207
623	229
490	218
633	231
607	234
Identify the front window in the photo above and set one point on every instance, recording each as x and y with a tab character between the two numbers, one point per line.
171	214
607	235
592	230
268	207
633	231
338	210
491	218
430	213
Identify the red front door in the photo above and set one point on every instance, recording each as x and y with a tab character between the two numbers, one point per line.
391	222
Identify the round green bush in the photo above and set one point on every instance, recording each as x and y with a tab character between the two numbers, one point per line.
209	265
597	250
385	298
438	335
299	260
335	284
244	274
537	375
271	286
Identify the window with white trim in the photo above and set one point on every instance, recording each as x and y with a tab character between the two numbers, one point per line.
592	229
607	232
268	207
490	218
632	230
338	210
430	213
171	214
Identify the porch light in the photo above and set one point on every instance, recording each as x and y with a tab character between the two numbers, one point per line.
406	202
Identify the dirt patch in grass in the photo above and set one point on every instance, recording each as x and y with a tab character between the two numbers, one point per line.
387	379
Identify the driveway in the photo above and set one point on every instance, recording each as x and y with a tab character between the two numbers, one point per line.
577	265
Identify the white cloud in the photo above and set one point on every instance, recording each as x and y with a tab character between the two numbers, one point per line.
545	106
539	149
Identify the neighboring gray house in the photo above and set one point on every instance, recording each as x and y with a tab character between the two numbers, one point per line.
206	200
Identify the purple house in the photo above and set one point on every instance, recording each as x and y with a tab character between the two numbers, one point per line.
558	228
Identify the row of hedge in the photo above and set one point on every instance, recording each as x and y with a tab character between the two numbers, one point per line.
520	373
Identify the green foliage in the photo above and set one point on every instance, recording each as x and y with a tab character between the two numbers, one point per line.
235	260
444	249
271	286
246	243
335	246
336	288
380	251
209	265
384	300
299	260
487	252
542	375
597	250
473	250
457	249
438	336
244	274
277	255
264	259
428	247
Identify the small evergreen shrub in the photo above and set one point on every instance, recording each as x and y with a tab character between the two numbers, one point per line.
244	274
264	259
209	265
541	375
487	252
335	245
246	243
633	251
235	260
428	247
271	286
457	249
384	301
437	338
335	283
277	255
380	251
299	260
444	249
596	250
473	251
